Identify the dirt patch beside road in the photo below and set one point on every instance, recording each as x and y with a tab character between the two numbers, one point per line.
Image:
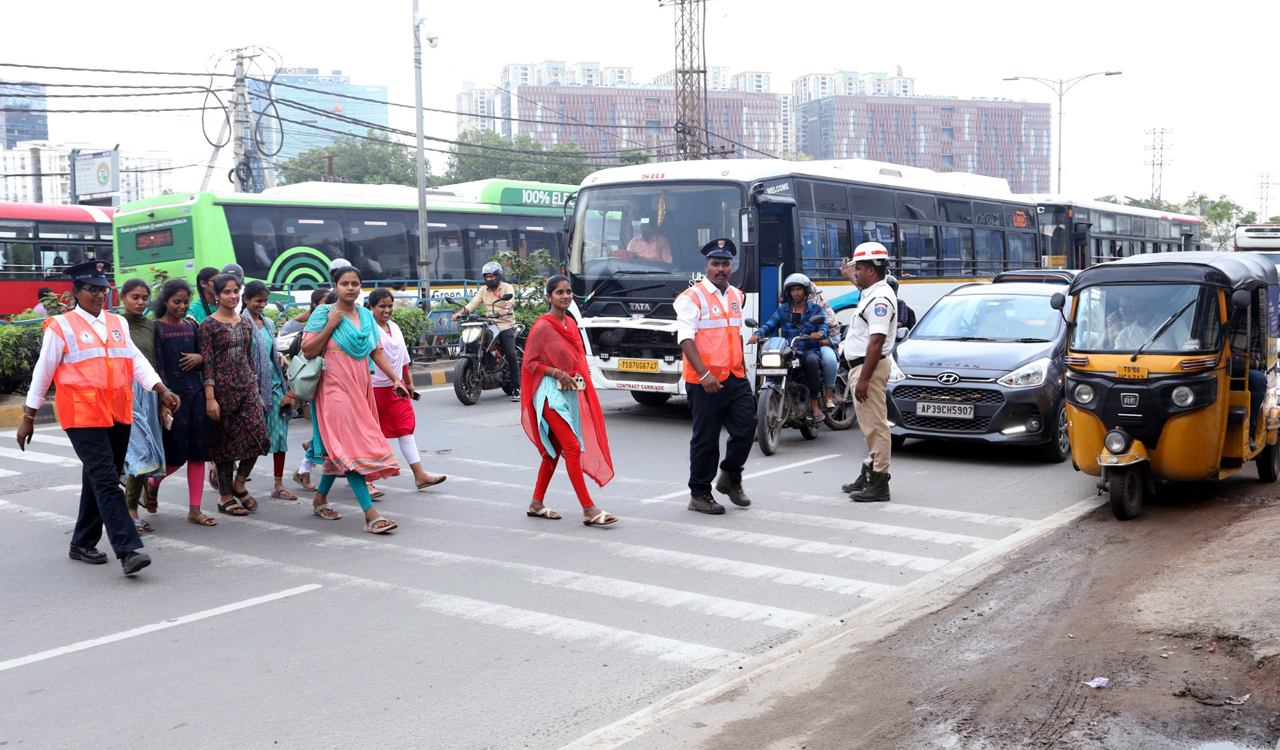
1178	609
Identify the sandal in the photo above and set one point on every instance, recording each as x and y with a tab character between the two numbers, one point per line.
831	404
370	527
142	526
230	507
375	493
304	481
432	481
320	509
150	496
280	493
245	499
213	479
203	520
546	513
600	519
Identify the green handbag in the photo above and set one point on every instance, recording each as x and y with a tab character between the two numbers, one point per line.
304	375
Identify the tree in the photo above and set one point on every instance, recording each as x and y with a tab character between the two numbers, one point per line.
486	155
1274	220
631	158
354	160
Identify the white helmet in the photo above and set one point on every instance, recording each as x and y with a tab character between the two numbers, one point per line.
796	279
491	267
871	252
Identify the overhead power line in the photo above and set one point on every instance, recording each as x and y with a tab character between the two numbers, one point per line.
123	171
108	70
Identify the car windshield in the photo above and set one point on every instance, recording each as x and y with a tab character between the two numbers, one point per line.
990	317
656	230
1125	317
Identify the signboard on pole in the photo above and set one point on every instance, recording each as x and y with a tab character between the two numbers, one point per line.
97	172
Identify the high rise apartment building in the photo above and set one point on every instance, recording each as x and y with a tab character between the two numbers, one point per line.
16	126
477	108
322	102
142	175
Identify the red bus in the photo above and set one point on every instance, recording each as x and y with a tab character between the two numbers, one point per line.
37	241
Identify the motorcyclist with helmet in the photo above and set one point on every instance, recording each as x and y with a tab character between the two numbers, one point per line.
490	296
792	320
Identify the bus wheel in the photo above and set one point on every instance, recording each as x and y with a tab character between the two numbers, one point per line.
648	398
1269	463
769	420
466	381
1126	488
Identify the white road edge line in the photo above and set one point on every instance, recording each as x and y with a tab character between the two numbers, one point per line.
143	630
868	623
753	475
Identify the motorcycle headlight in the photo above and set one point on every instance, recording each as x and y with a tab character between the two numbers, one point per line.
772	359
895	373
1183	396
470	335
1085	393
1028	376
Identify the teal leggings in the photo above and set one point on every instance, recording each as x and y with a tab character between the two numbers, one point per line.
358	486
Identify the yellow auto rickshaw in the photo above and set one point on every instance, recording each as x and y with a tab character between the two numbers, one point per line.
1171	371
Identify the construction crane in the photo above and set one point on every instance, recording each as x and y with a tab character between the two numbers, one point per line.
690	77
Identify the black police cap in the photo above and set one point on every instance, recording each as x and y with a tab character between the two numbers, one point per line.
721	248
90	272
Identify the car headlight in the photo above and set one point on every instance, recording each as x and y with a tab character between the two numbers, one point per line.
895	373
1183	396
1116	441
470	335
1027	376
773	359
1085	393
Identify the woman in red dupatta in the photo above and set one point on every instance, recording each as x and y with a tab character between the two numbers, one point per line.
558	419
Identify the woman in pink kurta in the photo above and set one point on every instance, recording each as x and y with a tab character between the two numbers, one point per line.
346	440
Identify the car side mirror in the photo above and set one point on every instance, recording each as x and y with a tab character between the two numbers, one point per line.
817	320
1058	301
1240	300
751	323
901	334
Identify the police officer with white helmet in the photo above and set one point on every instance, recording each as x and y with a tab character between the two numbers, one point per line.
867	346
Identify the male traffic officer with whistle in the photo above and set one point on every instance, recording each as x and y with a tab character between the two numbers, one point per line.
708	323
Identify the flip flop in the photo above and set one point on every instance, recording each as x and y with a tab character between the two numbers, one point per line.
432	481
245	498
203	520
230	508
546	513
304	481
213	479
321	508
280	493
369	525
376	494
600	519
142	526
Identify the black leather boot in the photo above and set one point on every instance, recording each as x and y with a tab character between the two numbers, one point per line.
876	491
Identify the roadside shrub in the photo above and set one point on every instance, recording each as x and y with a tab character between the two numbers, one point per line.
412	322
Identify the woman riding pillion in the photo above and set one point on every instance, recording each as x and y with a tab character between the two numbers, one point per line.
793	322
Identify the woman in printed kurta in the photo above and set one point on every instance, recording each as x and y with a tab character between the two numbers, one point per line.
345	439
231	397
276	396
145	457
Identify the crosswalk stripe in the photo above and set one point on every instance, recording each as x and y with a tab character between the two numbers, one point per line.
39	439
36	457
867	527
519	467
503	616
914	510
7	473
773	470
616	588
771	541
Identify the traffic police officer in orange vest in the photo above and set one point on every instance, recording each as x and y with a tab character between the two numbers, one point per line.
867	347
88	355
708	328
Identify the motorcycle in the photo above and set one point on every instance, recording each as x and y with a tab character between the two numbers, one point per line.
782	397
481	365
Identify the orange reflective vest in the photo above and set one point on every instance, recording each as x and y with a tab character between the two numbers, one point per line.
94	381
718	338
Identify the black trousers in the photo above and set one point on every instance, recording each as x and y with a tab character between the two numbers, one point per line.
507	341
732	408
101	450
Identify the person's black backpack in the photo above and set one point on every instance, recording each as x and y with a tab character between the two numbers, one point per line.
906	316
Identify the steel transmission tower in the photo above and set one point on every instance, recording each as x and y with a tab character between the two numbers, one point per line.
1264	195
690	77
1157	162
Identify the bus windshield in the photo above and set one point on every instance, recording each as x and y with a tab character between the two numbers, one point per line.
1129	317
655	230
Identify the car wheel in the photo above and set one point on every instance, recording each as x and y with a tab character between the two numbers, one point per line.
897	441
1058	449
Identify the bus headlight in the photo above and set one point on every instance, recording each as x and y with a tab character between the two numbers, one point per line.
772	359
1183	396
1085	393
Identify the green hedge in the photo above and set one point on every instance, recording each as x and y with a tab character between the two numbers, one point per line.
20	347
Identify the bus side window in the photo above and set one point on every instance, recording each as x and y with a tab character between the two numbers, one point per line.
957	252
254	239
1022	250
989	252
533	239
919	250
445	259
380	248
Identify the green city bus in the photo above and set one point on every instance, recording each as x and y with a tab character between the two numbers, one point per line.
287	236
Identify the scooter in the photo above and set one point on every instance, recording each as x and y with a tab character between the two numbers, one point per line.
782	397
481	365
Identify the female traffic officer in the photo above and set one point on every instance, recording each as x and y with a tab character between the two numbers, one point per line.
794	320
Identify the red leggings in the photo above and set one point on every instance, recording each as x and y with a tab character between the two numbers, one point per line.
566	444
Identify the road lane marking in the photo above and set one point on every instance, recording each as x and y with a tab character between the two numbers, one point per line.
39	439
145	629
36	457
584	582
753	475
518	467
879	529
915	510
605	637
770	541
7	473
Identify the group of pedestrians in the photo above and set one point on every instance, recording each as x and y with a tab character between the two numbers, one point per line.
201	381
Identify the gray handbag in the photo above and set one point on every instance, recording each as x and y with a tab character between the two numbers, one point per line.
304	375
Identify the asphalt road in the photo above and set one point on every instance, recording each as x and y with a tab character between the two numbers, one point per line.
472	626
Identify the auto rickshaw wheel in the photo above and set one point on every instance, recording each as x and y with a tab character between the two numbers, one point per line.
1269	463
1126	488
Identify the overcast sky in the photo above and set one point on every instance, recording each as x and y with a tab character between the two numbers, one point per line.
1203	71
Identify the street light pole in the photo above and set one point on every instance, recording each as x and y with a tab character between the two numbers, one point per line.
422	158
1061	87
